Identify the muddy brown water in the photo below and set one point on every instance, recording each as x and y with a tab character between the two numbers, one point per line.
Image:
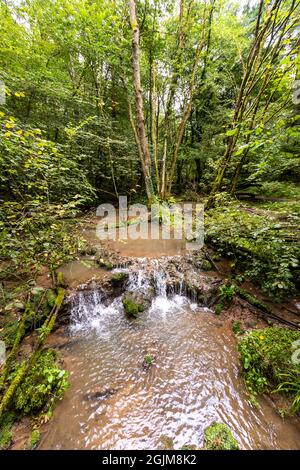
115	402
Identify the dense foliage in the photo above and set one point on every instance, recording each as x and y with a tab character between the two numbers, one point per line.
261	244
267	362
158	100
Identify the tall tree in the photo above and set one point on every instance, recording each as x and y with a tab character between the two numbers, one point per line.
140	115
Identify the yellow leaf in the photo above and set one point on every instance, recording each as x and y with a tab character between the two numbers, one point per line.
20	94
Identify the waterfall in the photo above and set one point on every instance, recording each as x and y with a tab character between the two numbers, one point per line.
92	311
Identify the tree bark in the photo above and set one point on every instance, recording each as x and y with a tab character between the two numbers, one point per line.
140	117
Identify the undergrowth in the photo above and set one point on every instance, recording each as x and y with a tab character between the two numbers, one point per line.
270	364
266	250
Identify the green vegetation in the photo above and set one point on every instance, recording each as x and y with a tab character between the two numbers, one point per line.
225	297
266	250
218	436
34	439
131	307
118	278
103	263
148	360
44	383
237	329
266	356
206	265
6	424
277	189
160	101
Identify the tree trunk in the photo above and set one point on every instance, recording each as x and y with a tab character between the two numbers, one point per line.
140	117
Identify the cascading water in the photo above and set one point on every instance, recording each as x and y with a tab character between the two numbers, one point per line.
115	402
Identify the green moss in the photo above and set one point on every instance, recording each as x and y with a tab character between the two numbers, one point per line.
219	437
206	265
9	332
44	383
266	356
6	424
131	307
118	278
34	439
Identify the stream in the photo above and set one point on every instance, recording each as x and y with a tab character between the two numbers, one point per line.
116	401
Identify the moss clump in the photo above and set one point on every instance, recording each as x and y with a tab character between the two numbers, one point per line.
6	424
206	265
131	307
118	279
103	263
268	365
9	332
42	386
34	439
219	437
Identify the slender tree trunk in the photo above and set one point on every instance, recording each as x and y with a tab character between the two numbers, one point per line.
140	117
261	32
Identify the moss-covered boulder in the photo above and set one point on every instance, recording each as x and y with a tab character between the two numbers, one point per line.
133	304
118	279
218	436
206	265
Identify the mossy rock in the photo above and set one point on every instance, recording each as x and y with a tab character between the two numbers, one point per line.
118	279
103	263
132	307
206	265
218	436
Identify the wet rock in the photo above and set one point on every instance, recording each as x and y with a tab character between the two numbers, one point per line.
101	394
104	263
134	304
118	278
